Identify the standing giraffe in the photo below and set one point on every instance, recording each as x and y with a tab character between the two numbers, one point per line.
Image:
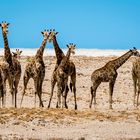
71	70
62	76
108	73
136	80
10	72
36	69
17	68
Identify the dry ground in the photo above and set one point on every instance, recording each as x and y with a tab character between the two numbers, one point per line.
28	122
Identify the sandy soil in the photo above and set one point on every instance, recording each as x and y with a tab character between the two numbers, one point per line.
28	122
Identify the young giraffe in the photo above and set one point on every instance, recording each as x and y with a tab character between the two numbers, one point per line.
71	70
108	73
17	67
10	71
62	76
36	69
136	80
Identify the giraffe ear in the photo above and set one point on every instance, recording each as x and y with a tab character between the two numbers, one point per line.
56	33
8	23
0	24
67	45
20	52
14	53
134	48
42	33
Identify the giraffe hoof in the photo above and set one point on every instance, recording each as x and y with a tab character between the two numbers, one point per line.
57	106
75	107
41	105
66	106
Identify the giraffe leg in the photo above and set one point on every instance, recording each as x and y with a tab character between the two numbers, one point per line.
135	86
53	82
16	82
66	93
74	90
4	91
93	96
40	92
138	98
73	81
11	84
111	87
138	93
25	82
64	96
1	96
36	83
93	89
59	91
35	86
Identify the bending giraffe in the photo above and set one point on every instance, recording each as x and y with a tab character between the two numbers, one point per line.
71	68
62	77
10	70
36	69
136	81
108	73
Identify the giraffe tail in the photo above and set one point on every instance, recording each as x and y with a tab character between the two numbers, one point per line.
71	86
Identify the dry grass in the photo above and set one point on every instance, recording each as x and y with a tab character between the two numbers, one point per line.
58	115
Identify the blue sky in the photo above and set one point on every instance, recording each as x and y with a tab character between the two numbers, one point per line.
101	24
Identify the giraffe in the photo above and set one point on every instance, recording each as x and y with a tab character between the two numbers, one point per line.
10	71
17	66
71	71
108	73
36	69
62	76
136	80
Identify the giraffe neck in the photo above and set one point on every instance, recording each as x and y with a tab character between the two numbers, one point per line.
40	51
65	59
58	52
7	52
121	60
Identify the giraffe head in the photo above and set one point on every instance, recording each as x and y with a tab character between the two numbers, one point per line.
53	33
46	34
71	47
135	52
4	26
17	54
